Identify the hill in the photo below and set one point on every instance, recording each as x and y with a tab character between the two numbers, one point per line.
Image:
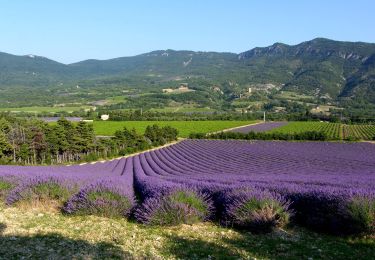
323	68
320	67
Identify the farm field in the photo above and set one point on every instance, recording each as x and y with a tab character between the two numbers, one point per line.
108	128
211	166
365	132
184	109
289	95
262	127
207	184
68	109
334	131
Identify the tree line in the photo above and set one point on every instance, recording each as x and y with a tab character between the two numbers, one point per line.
32	142
308	135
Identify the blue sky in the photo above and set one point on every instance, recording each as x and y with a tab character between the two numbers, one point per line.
74	30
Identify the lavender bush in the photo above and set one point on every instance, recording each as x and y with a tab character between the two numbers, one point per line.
255	210
180	206
109	198
40	189
361	214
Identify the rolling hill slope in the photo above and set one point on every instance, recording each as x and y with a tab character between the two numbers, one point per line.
325	68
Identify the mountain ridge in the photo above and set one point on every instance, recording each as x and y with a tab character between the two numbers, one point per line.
322	67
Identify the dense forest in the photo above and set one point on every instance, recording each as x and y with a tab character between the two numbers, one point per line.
36	142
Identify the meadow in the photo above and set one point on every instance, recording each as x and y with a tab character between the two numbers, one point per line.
108	128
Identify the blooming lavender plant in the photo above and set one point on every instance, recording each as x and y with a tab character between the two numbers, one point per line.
255	210
108	197
179	206
41	188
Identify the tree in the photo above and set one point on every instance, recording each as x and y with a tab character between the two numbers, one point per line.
5	146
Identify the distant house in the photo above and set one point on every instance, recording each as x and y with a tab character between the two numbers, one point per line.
104	117
167	90
184	86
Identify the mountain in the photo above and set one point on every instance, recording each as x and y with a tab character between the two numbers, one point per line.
320	66
30	70
325	68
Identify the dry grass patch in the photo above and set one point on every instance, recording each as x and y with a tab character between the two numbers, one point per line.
42	234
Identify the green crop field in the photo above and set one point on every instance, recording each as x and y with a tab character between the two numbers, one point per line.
184	128
334	131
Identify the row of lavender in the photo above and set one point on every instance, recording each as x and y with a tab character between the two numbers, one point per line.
261	127
254	185
103	188
327	186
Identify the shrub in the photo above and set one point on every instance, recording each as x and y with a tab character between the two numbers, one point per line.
197	136
309	135
40	190
333	211
177	207
5	187
104	198
361	213
254	210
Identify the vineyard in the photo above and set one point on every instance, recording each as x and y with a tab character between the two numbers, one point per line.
363	132
334	131
257	186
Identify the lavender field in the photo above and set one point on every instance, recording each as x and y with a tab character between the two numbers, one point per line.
256	185
262	127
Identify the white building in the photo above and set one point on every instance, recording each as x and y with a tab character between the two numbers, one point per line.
104	117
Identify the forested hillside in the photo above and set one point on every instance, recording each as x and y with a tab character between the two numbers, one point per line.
325	69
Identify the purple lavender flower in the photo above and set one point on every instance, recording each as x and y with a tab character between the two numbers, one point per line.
262	127
177	207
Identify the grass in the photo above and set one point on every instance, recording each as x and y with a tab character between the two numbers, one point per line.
40	234
334	131
108	128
